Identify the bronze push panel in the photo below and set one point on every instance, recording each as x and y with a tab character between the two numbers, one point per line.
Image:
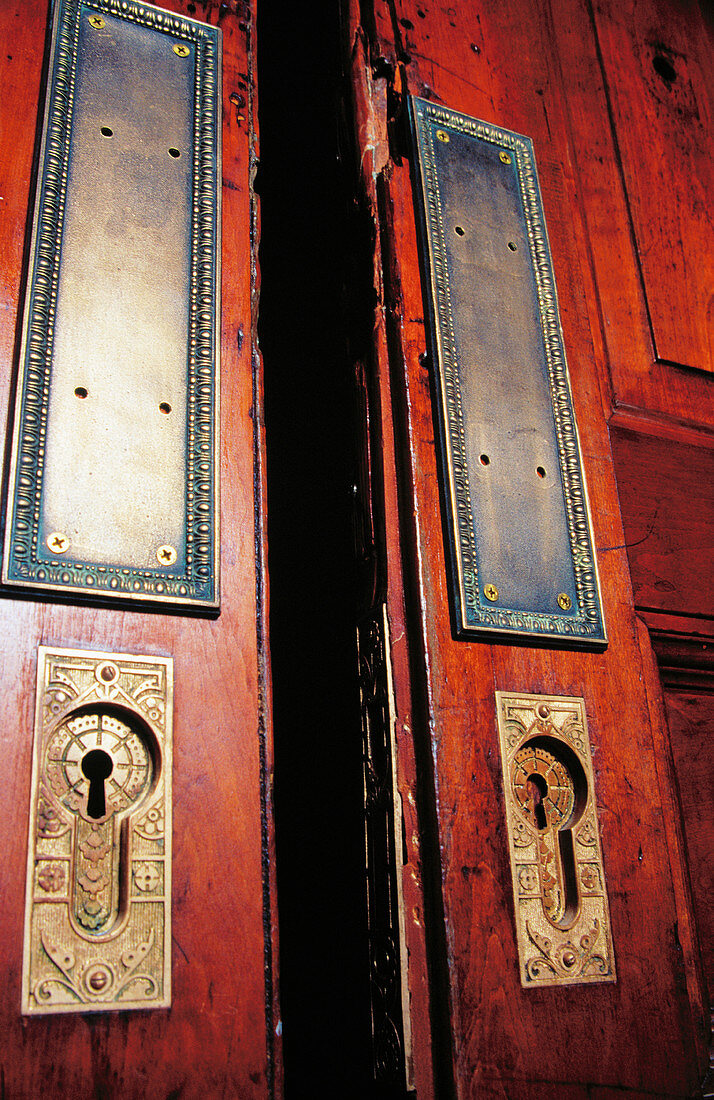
113	489
522	555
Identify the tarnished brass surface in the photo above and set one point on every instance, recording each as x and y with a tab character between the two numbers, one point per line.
117	412
522	556
562	915
98	903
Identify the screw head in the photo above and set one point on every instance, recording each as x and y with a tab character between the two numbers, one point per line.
180	50
166	555
96	21
504	157
490	592
564	601
98	978
107	672
443	136
57	542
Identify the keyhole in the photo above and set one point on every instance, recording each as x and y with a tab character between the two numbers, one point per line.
97	766
537	789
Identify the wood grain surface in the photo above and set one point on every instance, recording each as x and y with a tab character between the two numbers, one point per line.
667	497
214	1039
535	68
691	725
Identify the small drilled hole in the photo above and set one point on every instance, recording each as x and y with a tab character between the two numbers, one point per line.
484	460
664	68
106	132
80	392
459	231
540	471
174	153
165	408
513	246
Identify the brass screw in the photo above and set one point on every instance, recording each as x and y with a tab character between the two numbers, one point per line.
564	601
107	672
57	542
96	21
180	50
490	592
166	555
443	136
505	157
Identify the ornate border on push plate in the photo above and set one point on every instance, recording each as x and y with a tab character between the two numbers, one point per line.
98	903
562	915
581	625
26	561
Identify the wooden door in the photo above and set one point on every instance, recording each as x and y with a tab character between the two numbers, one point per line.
617	99
218	1037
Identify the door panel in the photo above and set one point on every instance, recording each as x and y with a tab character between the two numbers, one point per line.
218	1037
691	726
536	69
657	63
667	500
628	207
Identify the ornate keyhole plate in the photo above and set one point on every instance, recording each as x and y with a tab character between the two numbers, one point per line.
97	925
562	915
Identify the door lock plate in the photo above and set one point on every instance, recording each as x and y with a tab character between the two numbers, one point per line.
562	915
98	902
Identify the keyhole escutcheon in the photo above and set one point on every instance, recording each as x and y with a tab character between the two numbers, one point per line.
551	791
102	765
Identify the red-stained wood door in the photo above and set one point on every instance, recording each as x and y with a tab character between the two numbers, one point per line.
218	1038
617	98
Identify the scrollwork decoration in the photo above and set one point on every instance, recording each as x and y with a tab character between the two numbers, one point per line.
98	924
562	915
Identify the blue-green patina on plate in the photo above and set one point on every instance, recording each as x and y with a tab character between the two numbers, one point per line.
113	490
520	546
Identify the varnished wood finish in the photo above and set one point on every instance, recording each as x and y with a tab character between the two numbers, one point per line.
214	1039
658	66
667	499
691	725
612	146
537	69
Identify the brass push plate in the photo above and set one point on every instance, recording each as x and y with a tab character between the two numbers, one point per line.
562	915
520	541
113	488
98	906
